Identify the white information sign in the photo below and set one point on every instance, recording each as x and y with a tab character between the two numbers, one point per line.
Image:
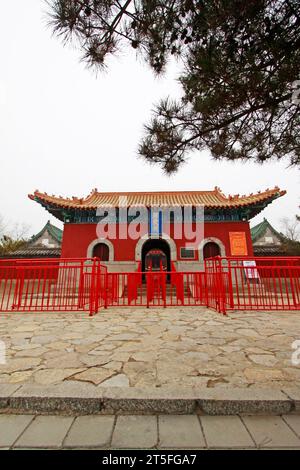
250	269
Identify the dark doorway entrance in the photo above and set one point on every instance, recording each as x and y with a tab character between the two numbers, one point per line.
210	250
156	244
101	251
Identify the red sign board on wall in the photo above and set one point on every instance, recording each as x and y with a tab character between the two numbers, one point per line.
238	244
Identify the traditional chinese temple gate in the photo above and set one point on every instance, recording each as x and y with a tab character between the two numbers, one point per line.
74	285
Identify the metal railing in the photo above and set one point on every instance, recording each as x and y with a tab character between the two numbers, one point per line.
155	288
49	285
80	284
257	283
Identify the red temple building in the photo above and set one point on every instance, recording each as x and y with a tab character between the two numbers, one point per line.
221	226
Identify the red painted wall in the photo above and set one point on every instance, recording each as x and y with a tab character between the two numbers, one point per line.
77	237
221	231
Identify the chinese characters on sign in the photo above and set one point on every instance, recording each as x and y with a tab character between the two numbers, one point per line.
238	244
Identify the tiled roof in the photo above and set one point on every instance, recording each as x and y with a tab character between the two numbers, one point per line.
35	249
269	250
260	229
34	252
55	232
210	199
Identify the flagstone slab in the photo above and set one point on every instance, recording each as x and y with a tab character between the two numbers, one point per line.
226	432
45	432
95	375
19	377
11	427
271	432
53	376
293	421
263	375
67	360
263	359
90	431
120	380
35	352
135	432
157	347
15	365
180	431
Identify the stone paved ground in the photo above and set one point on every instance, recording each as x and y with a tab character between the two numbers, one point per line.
147	432
183	347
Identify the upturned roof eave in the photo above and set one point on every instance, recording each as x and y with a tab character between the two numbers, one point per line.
255	203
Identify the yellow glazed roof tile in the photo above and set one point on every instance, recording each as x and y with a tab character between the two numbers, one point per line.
210	199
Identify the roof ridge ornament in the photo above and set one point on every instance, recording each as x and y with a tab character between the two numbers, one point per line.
93	191
212	200
220	192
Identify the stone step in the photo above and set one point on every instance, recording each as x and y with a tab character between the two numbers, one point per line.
89	399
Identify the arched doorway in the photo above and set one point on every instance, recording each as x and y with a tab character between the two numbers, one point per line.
156	244
101	251
210	250
156	260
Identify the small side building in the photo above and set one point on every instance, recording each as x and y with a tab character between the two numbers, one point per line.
45	244
266	240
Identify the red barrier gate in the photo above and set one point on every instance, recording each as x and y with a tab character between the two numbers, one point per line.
246	283
156	289
49	285
85	285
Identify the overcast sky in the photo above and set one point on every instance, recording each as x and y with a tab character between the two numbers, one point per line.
64	130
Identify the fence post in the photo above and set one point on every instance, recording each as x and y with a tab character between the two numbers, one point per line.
163	286
20	279
92	292
98	287
105	289
292	287
207	283
148	287
81	287
230	287
221	287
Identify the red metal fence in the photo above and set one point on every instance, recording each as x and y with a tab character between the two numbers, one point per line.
85	285
49	285
155	288
246	283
